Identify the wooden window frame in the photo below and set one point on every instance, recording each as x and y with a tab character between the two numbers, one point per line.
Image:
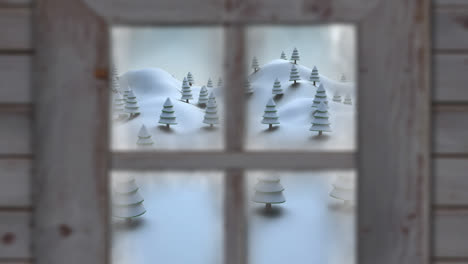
72	157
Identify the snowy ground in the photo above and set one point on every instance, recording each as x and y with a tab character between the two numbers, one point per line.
153	86
183	223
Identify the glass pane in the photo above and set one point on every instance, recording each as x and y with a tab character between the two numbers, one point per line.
301	87
301	217
167	217
167	88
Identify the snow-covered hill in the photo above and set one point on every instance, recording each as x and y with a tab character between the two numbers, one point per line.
153	86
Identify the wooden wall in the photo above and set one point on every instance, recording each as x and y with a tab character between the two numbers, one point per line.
450	131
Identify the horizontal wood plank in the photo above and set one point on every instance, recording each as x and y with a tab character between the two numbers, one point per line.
15	235
15	29
450	182
450	234
450	29
220	160
15	78
450	78
15	3
15	183
15	133
450	130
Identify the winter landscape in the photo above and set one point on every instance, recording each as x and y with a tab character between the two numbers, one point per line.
168	94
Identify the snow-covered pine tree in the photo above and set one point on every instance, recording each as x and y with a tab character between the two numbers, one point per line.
186	91
203	97
270	116
321	122
211	97
144	137
210	83
277	87
131	104
248	87
115	80
343	189
337	97
255	65
119	104
211	113
320	96
190	78
220	83
127	203
347	100
294	75
343	78
269	190
283	56
126	91
295	56
167	116
314	76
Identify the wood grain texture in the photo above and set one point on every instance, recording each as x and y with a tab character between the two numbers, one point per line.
393	221
70	183
450	78
450	234
450	29
450	182
15	179
15	23
450	131
15	133
15	78
15	235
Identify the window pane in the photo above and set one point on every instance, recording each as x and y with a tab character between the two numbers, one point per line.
301	217
169	80
300	88
167	217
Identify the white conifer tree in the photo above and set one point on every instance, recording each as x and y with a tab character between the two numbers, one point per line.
294	75
144	137
211	113
337	97
269	190
270	116
190	79
220	83
320	122
186	91
283	56
248	87
343	78
203	97
255	65
115	80
119	104
167	116
126	91
343	189
277	87
131	104
347	100
295	56
210	83
314	76
127	203
211	97
320	96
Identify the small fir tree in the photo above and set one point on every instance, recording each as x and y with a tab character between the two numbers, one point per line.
167	116
127	203
115	80
269	190
320	96
343	78
343	189
210	83
270	116
314	76
255	65
337	98
119	104
126	91
220	83
248	87
190	78
347	100
277	87
320	122
295	56
211	97
203	97
131	104
294	75
211	113
144	137
283	56
186	91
